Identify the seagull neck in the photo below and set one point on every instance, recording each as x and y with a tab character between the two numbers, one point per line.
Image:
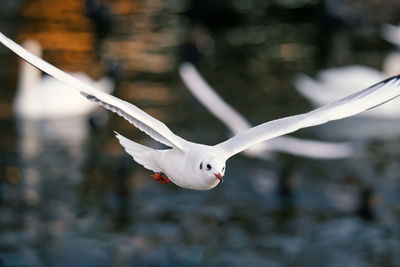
29	77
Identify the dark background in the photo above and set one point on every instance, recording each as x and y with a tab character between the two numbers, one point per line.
86	203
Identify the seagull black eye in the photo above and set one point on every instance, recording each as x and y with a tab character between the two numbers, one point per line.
208	167
201	166
223	168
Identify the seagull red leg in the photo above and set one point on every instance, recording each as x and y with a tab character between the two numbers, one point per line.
160	177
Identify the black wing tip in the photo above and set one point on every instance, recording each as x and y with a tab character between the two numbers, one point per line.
387	80
395	77
390	79
90	97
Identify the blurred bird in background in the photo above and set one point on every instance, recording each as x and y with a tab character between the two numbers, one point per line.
237	124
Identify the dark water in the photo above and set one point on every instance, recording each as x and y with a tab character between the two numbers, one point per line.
74	198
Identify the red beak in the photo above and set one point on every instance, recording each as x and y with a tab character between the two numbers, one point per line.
219	176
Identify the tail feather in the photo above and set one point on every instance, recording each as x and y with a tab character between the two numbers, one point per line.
141	154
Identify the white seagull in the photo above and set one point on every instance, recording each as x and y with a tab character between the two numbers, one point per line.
197	166
237	124
335	83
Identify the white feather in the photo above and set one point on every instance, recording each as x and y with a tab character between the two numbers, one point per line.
143	155
335	83
38	96
136	116
237	124
366	99
198	166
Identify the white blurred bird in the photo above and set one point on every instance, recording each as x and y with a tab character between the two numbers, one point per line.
197	166
237	124
44	97
391	33
335	83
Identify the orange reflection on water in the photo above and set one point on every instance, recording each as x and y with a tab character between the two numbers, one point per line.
145	91
13	174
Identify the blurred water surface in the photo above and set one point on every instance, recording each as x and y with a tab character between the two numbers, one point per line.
70	195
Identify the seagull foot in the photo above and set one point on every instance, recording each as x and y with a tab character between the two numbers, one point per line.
160	177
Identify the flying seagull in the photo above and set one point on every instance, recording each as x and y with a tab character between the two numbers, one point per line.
197	166
237	124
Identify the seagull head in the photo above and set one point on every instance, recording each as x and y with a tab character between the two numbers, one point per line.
213	169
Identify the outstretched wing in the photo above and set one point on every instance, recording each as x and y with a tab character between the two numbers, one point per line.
237	123
211	100
368	98
146	123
